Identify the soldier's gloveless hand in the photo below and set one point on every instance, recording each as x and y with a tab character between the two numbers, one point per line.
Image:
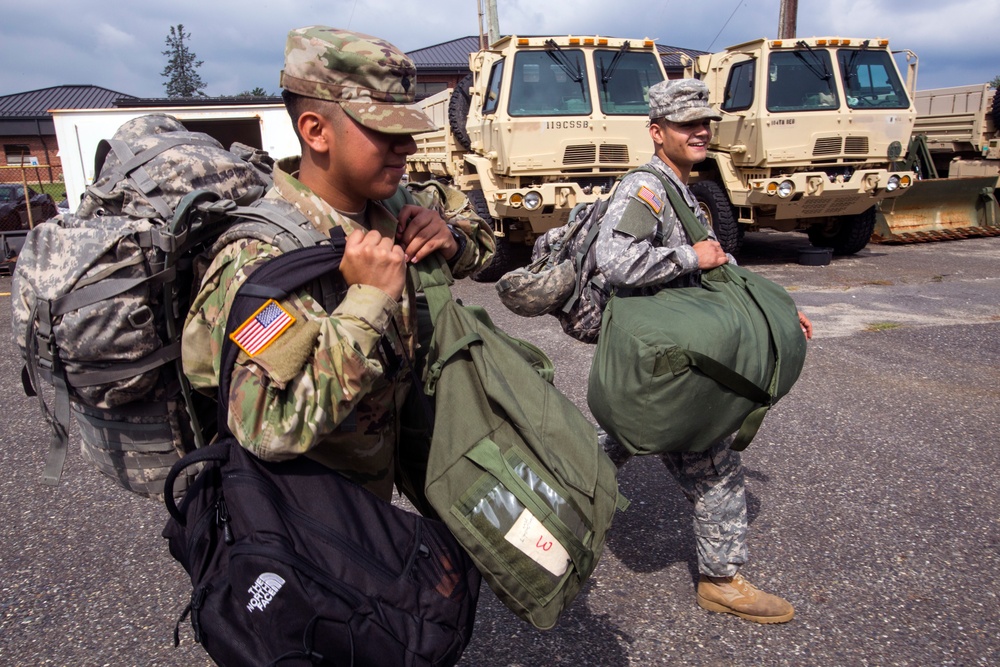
375	260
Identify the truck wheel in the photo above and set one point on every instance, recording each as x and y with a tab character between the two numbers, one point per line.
458	111
847	236
505	257
721	215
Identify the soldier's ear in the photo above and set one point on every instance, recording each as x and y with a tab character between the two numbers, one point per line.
314	128
656	133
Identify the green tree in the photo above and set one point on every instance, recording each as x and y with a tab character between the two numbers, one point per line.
256	92
181	71
995	82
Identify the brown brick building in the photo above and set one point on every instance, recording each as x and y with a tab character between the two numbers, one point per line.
27	136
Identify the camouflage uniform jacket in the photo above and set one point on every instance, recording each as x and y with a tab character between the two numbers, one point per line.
629	254
324	387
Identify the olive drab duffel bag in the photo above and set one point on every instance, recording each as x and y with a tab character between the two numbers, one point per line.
683	368
515	469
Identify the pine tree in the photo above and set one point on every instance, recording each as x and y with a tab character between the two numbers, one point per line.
181	71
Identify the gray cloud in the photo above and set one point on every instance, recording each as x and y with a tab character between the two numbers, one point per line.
118	45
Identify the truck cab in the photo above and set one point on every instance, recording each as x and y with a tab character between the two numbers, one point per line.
811	133
541	125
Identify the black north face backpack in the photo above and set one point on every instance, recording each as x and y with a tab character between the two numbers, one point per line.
291	563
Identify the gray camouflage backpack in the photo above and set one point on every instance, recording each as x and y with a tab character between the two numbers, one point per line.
563	279
100	296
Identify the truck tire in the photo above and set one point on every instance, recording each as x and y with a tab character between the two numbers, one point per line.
458	111
505	257
850	234
721	215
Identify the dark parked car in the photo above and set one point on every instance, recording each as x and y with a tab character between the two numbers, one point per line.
13	212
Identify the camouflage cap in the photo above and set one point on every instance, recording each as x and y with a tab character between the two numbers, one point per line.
681	101
371	79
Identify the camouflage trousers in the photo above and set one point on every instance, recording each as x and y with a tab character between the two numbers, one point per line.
713	481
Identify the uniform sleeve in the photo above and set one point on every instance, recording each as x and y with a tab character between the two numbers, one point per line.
456	209
308	379
628	253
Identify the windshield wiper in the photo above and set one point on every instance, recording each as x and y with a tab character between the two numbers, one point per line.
850	72
572	70
822	71
613	65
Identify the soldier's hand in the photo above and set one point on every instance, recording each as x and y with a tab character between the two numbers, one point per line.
375	260
710	254
422	231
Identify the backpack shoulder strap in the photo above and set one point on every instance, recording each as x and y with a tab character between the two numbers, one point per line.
396	202
275	279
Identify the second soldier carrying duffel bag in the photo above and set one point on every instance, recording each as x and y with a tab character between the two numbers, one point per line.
683	368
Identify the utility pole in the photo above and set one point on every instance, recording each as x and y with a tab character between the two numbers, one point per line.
492	21
787	17
482	35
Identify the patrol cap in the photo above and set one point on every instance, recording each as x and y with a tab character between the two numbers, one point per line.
681	101
368	77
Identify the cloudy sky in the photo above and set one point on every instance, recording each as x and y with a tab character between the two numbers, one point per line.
118	44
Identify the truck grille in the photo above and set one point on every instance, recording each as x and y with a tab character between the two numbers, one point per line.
856	146
614	153
583	154
827	146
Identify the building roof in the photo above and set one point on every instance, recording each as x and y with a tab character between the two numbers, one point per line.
455	54
36	103
133	102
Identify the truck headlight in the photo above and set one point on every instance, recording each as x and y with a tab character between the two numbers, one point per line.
785	189
532	200
892	184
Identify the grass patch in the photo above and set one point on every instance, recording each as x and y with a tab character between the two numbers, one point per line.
883	283
57	190
882	326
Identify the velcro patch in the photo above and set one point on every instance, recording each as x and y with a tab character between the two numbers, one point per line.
262	328
645	194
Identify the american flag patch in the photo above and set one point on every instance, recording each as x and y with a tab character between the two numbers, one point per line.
262	328
648	196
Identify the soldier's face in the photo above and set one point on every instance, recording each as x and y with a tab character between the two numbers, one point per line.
368	164
683	144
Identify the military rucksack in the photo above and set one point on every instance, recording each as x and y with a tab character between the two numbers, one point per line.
563	279
100	296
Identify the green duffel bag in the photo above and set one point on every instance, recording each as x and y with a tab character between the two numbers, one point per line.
515	469
683	368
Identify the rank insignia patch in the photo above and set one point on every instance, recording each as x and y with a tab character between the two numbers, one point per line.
649	197
263	328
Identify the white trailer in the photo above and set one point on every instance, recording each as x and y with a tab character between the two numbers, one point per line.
78	131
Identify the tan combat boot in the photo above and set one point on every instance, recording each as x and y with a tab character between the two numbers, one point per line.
736	595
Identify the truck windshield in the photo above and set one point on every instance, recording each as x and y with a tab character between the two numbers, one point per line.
544	84
801	80
623	81
870	79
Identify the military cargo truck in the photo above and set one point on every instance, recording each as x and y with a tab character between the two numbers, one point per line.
955	150
810	132
541	125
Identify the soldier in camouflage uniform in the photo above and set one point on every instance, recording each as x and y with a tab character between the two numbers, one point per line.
327	386
629	256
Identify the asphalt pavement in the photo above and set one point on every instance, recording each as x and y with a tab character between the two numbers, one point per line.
873	501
